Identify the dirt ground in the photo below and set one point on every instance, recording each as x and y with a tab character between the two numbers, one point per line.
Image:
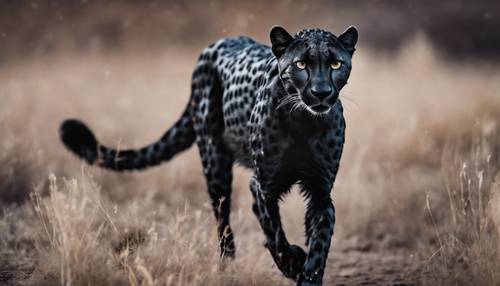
350	263
354	263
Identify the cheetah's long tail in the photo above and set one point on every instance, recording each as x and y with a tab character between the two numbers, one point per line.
79	139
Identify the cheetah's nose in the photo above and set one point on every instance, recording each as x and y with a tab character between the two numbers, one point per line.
321	92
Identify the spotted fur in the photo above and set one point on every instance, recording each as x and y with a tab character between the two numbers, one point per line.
254	105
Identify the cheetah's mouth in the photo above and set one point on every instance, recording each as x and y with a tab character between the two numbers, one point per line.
320	108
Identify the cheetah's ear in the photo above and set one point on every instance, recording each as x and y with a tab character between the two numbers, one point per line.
349	39
280	40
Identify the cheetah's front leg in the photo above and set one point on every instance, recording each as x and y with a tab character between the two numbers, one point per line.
320	222
288	258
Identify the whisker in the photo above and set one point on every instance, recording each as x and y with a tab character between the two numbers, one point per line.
288	97
293	107
286	100
296	106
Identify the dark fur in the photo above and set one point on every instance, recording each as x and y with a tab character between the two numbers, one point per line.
252	104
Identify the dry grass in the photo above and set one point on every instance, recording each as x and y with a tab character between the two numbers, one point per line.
467	232
85	240
418	173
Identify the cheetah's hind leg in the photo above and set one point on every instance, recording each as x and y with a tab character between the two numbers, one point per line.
216	157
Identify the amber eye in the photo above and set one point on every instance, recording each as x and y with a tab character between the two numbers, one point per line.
300	64
335	65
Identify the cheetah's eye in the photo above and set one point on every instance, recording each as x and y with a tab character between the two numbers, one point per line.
336	65
300	64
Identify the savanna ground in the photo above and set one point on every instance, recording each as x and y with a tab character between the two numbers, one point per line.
417	196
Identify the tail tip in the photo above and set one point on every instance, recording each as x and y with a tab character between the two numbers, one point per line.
79	139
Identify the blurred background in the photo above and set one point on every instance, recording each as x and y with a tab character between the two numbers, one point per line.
418	192
458	29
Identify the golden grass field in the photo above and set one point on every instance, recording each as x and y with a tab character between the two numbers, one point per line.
417	196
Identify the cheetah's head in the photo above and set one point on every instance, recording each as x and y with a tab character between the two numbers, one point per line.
314	65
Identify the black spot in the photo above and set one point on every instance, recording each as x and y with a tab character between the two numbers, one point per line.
203	106
332	143
180	133
317	247
214	56
156	147
220	173
273	72
142	163
166	152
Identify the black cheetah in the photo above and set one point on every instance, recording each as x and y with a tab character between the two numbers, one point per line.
275	110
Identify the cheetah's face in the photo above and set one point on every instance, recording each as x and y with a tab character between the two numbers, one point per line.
314	65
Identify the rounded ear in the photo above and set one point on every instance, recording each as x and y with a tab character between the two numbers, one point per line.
280	40
349	39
